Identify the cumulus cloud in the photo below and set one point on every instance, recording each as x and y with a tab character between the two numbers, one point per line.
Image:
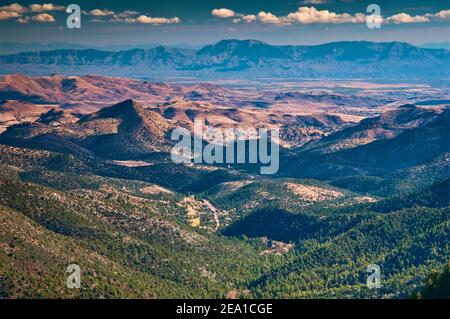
249	18
18	12
23	20
14	7
308	15
223	13
46	7
406	18
311	15
130	17
5	15
270	18
155	21
99	12
304	15
441	15
43	17
237	17
125	16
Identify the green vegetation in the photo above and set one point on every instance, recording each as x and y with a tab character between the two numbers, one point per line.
437	285
58	209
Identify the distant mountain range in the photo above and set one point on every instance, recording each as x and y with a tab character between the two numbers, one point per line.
18	47
243	59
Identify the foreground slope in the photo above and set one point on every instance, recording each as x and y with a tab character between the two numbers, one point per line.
133	242
129	243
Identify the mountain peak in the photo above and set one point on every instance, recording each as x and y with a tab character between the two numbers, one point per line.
248	50
235	46
407	115
247	42
128	103
128	108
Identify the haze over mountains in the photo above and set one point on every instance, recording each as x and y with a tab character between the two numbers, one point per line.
9	48
248	58
18	47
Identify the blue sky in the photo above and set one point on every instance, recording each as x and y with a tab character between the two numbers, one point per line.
206	21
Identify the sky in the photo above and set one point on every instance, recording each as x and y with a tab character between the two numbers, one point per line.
199	22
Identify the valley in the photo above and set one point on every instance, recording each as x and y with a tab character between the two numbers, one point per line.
86	177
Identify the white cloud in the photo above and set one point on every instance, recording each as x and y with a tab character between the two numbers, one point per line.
305	15
406	18
23	20
128	16
17	11
46	7
14	7
311	15
43	17
237	17
223	13
155	21
100	12
249	18
308	15
441	15
125	16
270	18
5	15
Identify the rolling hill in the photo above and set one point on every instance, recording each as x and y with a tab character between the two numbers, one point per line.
383	150
124	130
